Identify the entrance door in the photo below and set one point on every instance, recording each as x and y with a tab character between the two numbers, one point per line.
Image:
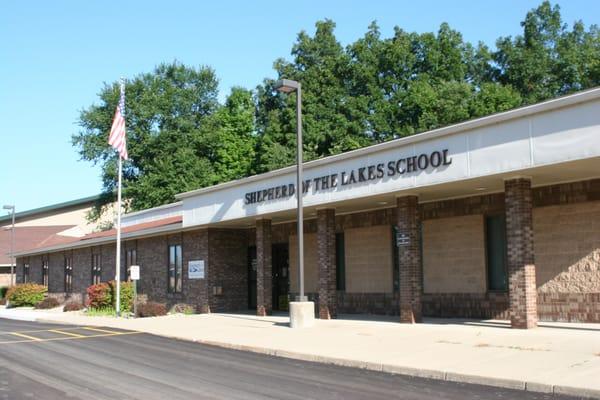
281	285
252	278
279	277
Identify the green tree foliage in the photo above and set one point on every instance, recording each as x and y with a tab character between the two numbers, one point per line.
548	59
372	90
179	137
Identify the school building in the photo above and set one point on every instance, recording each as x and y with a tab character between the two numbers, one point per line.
497	217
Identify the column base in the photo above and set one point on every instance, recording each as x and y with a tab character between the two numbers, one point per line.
326	313
262	311
302	314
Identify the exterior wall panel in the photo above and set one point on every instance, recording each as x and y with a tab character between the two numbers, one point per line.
369	259
454	255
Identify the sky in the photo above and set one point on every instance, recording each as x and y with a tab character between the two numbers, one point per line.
55	57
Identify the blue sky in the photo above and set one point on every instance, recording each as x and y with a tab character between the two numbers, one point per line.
55	56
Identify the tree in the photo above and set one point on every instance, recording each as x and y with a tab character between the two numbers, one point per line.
548	60
169	150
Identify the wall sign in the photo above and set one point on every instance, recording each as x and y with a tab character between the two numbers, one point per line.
402	239
134	272
375	172
196	269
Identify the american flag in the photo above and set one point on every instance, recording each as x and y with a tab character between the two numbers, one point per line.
117	137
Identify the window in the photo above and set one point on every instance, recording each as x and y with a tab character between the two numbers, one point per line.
395	260
25	272
68	274
175	268
96	269
130	259
495	242
340	262
45	272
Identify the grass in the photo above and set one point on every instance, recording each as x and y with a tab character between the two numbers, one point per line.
101	312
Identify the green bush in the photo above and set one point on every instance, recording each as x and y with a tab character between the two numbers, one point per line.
26	294
99	296
151	309
47	303
126	296
101	312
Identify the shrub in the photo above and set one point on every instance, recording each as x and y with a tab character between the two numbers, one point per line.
151	309
26	294
99	296
48	302
101	312
3	290
126	305
73	306
183	309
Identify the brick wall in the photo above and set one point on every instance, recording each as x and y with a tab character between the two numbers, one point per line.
454	255
228	253
369	259
567	244
311	268
195	247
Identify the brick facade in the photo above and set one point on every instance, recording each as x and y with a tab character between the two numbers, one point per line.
264	288
521	264
409	255
327	263
565	292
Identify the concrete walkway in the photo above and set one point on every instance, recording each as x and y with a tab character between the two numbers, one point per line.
554	358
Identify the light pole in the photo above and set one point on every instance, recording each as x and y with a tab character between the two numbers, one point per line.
301	311
288	86
12	244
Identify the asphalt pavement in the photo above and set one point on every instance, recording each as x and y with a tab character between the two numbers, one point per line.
52	362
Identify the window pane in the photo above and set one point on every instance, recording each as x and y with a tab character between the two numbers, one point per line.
340	262
178	271
496	252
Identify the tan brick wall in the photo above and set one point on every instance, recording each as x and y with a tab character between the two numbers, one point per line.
311	267
369	259
454	255
567	248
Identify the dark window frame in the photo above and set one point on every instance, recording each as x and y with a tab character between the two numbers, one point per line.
174	269
25	271
96	268
45	272
68	278
340	261
490	286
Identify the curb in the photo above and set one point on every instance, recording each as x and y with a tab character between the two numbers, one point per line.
514	384
412	372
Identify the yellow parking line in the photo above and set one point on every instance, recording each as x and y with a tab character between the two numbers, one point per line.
25	336
41	330
66	333
37	340
89	328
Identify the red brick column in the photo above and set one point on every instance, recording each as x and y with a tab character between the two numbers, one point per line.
409	256
326	262
264	279
521	264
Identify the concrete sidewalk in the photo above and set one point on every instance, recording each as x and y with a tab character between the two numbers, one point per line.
554	358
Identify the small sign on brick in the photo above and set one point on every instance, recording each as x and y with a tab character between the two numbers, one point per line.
196	269
402	239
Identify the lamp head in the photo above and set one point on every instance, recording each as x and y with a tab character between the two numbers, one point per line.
286	85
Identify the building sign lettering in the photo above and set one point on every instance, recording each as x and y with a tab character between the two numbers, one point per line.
367	173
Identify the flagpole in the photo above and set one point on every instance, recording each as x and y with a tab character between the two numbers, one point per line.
118	255
118	251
